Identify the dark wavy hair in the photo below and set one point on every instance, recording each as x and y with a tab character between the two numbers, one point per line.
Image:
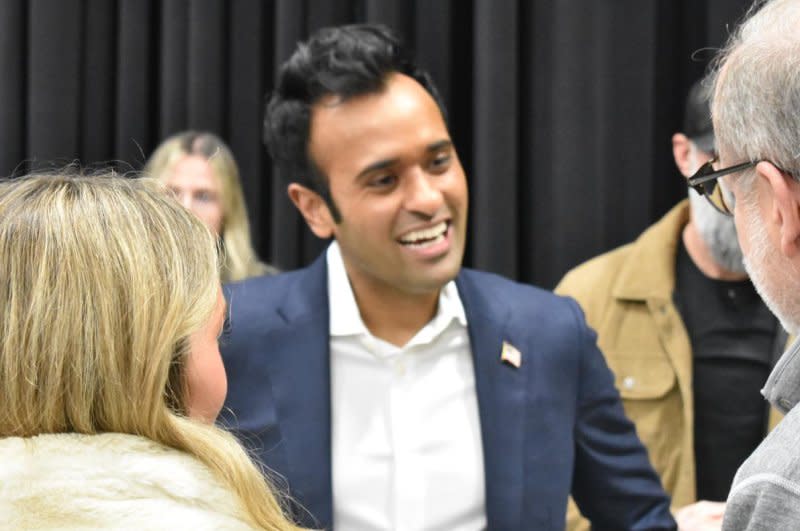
343	61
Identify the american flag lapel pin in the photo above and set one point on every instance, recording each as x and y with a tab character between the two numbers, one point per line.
511	355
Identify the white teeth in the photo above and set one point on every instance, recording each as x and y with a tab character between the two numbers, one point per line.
425	243
421	237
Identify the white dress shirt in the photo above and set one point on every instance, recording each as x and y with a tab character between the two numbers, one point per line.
407	451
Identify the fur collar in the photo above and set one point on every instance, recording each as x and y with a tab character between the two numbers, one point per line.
74	481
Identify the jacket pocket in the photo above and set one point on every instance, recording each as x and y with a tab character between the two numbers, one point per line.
642	377
652	400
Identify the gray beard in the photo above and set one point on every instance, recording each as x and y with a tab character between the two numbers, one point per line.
774	276
718	232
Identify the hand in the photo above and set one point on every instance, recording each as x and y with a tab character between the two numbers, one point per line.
700	516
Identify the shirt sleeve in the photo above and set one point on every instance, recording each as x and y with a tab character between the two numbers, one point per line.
763	503
613	483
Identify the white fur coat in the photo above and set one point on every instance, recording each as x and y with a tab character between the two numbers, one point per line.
108	481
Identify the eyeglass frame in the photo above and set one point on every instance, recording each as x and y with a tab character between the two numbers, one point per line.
707	174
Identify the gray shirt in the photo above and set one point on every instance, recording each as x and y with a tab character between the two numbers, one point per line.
766	490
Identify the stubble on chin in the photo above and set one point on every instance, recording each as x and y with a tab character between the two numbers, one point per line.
775	277
718	232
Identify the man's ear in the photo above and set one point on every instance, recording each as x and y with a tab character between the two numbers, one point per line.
681	148
785	207
313	208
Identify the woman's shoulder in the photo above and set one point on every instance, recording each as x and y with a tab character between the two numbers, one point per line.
110	480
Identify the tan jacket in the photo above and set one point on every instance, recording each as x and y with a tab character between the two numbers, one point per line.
627	297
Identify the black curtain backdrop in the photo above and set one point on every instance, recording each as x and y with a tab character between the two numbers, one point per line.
562	110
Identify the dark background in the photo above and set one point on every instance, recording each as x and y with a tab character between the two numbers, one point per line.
562	110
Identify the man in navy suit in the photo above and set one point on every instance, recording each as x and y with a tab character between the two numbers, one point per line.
384	386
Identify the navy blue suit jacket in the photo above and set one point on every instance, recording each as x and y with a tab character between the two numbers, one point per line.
552	427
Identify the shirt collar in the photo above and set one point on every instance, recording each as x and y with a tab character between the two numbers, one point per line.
781	389
346	319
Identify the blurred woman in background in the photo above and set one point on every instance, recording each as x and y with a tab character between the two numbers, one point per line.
111	374
200	169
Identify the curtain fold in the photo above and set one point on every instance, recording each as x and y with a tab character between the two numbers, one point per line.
14	87
494	213
561	110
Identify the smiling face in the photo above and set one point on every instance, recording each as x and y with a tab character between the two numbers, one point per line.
395	177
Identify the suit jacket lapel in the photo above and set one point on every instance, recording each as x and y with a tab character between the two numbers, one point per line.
501	392
299	364
303	355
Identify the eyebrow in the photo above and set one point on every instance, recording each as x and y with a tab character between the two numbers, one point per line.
441	144
387	163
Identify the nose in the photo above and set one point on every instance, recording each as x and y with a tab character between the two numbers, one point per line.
422	194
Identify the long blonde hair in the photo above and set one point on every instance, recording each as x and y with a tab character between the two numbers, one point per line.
240	259
102	281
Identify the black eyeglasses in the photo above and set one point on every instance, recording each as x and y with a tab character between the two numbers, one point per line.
706	182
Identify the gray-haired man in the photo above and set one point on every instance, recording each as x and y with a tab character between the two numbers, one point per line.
756	112
689	340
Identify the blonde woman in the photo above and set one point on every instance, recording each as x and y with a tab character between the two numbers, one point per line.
110	369
200	169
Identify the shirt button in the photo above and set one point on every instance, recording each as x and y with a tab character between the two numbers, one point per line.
400	367
628	382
